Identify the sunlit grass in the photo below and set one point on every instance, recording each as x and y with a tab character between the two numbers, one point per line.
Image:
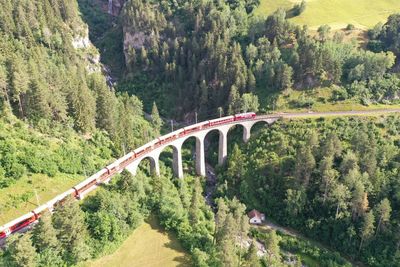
149	245
337	13
25	195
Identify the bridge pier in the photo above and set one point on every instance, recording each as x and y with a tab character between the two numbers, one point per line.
246	133
223	145
200	157
155	166
177	161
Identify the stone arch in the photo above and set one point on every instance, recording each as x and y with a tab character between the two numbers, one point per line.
154	164
176	161
189	153
199	151
259	124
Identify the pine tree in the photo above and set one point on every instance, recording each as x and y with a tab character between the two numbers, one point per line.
19	83
367	228
4	84
359	200
272	246
156	121
44	235
340	194
328	175
234	101
194	210
383	210
305	164
69	221
252	257
21	252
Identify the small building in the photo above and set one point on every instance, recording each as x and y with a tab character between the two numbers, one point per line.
256	217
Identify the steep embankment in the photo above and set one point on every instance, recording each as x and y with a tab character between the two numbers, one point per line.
59	120
37	166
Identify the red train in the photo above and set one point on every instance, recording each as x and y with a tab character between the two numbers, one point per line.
104	175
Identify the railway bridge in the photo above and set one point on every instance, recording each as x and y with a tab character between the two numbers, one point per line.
200	136
153	149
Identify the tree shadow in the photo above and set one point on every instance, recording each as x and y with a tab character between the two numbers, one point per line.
173	244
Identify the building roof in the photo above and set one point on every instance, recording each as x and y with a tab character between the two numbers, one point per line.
255	213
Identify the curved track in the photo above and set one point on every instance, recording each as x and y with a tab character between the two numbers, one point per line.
175	139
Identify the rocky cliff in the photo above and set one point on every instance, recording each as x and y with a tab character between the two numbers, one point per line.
115	6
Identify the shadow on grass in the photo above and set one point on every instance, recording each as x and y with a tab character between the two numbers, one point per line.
183	261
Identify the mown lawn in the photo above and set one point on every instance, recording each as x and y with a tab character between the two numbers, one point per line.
149	245
337	13
20	197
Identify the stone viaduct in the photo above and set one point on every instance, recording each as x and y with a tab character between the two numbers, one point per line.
200	136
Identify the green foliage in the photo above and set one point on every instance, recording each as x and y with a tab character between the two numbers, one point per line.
26	151
218	54
20	252
69	223
325	178
299	8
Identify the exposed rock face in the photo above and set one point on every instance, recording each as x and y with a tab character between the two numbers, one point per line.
135	40
115	6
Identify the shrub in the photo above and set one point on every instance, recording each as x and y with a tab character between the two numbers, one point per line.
350	27
299	8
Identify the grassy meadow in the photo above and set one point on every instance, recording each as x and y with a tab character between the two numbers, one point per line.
149	245
26	193
337	13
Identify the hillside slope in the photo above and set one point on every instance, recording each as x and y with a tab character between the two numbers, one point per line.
363	14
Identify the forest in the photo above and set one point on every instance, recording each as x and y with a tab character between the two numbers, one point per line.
202	56
334	180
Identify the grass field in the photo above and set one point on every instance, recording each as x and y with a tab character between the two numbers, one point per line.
337	13
322	103
148	246
20	197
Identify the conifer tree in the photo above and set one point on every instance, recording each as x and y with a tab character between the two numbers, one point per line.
44	235
21	252
68	220
383	210
251	259
156	121
367	228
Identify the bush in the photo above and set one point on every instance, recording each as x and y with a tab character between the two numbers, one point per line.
339	94
299	8
375	46
350	27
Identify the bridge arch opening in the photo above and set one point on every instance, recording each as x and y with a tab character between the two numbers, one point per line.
258	126
171	158
211	146
189	155
149	165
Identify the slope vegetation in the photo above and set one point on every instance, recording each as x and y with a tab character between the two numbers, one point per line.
337	14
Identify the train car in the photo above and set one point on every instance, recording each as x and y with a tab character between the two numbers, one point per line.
103	175
192	128
18	224
3	233
85	187
220	121
41	209
144	149
170	137
112	168
126	160
245	116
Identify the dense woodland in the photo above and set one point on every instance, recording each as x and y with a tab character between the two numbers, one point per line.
46	79
204	55
336	180
59	89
